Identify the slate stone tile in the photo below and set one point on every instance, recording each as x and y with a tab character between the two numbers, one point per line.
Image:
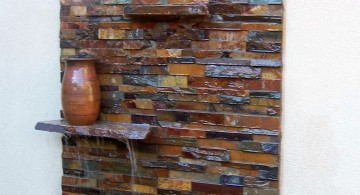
270	147
242	18
251	146
146	60
262	47
224	8
143	119
265	1
156	70
180	166
226	99
173	192
268	174
266	63
151	96
108	88
117	68
261	10
68	44
211	154
207	188
109	103
223	61
248	190
81	190
265	36
134	34
265	94
232	180
141	80
114	95
232	71
187	34
73	172
196	177
182	60
233	136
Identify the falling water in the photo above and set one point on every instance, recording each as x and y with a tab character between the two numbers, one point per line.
83	158
131	147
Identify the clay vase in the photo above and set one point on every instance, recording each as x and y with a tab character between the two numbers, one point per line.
80	93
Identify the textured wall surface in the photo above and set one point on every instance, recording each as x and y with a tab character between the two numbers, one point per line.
210	86
311	162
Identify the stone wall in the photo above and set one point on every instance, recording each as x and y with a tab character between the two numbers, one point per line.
208	82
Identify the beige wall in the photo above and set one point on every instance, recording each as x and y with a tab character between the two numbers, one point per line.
321	118
321	126
30	161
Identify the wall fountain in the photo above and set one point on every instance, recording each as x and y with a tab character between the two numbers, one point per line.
190	97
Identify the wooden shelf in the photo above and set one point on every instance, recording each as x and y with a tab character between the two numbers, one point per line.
99	129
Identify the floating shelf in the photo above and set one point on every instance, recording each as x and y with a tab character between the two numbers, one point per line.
164	12
99	129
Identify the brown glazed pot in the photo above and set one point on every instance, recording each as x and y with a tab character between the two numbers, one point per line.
80	93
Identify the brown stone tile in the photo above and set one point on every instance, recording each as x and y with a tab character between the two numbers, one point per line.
169	150
78	11
137	188
207	118
262	10
105	10
255	158
264	122
195	98
81	182
198	177
205	188
165	183
271	73
228	35
265	102
74	25
261	26
216	143
124	118
111	34
185	133
187	69
173	81
219	45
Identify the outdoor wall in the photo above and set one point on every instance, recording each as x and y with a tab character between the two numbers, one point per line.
320	144
30	161
321	115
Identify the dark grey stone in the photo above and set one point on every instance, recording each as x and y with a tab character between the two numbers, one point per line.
233	71
232	180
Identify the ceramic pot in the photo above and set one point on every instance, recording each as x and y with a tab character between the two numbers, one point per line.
80	93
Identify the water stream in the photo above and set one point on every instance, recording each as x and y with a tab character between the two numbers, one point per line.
84	159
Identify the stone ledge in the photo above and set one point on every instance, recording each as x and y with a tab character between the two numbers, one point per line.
99	129
171	11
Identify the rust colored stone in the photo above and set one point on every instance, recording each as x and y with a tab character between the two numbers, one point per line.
252	121
74	25
186	69
174	184
257	158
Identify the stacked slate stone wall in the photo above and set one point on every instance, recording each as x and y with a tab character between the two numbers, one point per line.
210	86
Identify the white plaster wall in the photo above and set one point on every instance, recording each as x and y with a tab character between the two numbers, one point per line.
321	126
321	118
30	161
